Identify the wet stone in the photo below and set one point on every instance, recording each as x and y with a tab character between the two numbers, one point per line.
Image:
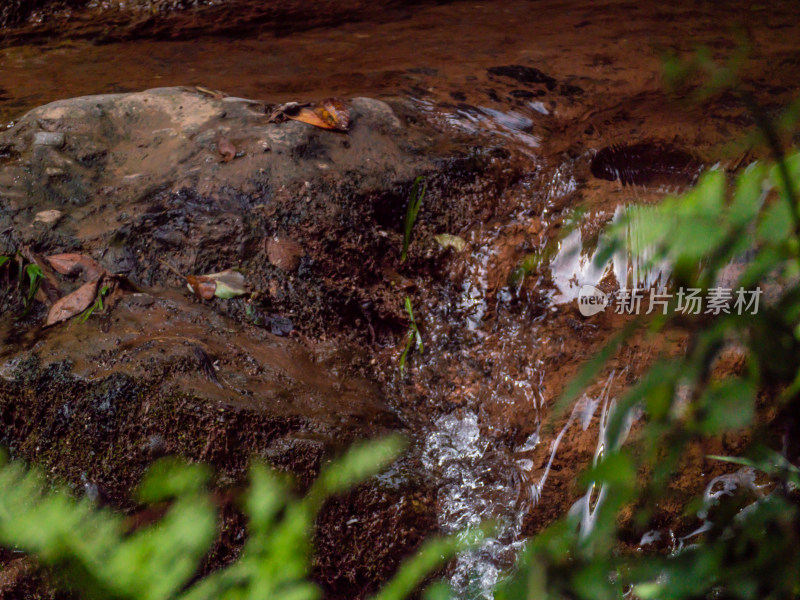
142	190
47	138
146	187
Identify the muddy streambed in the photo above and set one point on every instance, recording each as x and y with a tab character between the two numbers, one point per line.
501	106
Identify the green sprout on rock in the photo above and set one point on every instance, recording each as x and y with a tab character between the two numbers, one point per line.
414	336
414	204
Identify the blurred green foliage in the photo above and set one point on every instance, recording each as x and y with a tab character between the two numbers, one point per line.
749	548
91	551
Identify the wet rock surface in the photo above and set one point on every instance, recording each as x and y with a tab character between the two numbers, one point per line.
135	182
138	182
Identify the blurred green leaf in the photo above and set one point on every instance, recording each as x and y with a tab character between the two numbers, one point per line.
433	553
360	462
727	404
748	196
776	225
169	478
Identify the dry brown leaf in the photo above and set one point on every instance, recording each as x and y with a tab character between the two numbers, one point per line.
75	264
281	112
230	283
202	286
328	114
226	149
73	304
308	115
333	112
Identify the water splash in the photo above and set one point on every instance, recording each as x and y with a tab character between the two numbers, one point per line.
586	507
474	490
632	267
512	125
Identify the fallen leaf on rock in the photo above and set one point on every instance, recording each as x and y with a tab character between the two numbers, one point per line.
307	115
201	286
281	112
284	253
230	283
73	304
226	149
331	113
76	264
225	284
328	114
446	240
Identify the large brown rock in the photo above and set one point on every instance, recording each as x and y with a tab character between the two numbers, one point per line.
313	218
137	182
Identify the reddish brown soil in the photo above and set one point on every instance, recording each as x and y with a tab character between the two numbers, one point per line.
183	19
